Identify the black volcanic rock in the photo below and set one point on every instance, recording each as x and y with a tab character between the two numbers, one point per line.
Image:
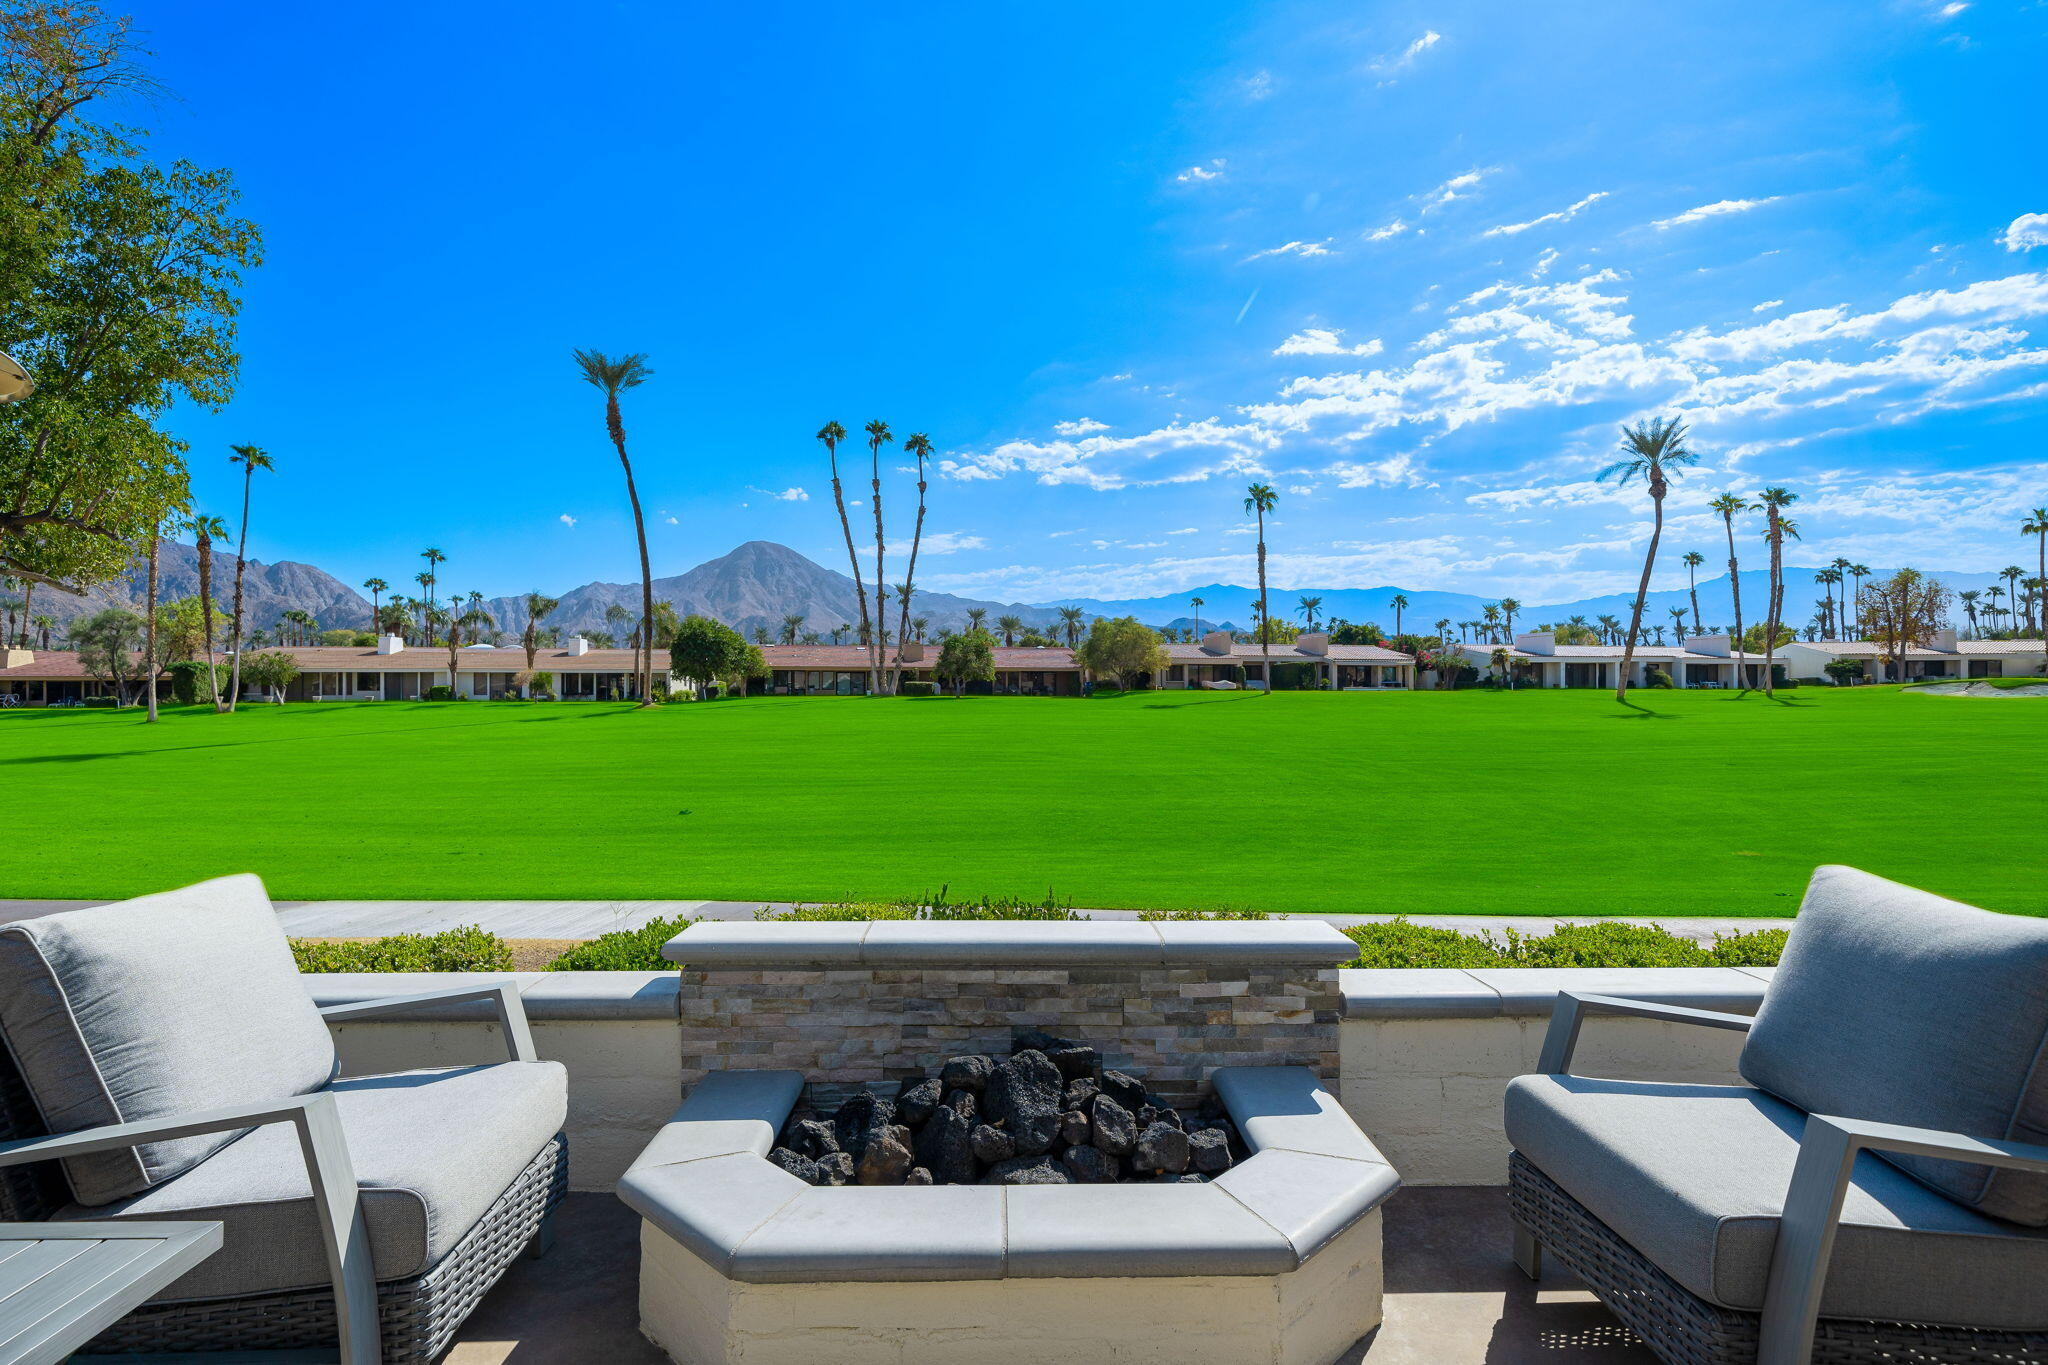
915	1102
836	1169
1023	1096
802	1167
886	1161
1116	1131
1161	1148
1089	1165
967	1073
963	1103
945	1149
811	1138
860	1120
1029	1170
991	1146
1209	1150
1124	1090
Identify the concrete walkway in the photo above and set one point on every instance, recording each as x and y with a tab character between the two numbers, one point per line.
588	919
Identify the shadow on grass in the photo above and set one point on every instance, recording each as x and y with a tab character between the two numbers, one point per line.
66	758
1642	712
1206	699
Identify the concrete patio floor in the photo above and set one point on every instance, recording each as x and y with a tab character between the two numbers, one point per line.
1453	1296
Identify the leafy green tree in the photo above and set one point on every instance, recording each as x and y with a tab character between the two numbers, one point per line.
107	642
1652	451
705	651
1124	649
118	292
967	657
273	672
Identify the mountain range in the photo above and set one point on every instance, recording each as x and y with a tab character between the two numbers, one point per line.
760	583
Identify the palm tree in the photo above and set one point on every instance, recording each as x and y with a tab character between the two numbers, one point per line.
1651	451
1693	560
1260	499
206	530
975	616
1727	505
1443	630
1678	623
377	588
919	445
1197	603
44	624
425	605
435	559
1009	626
1309	607
791	625
1610	629
538	607
1827	578
919	624
1969	598
1503	665
1773	501
1399	602
1489	620
617	617
1859	572
878	436
832	434
1996	595
1070	622
843	628
250	458
2036	525
612	374
2012	573
1508	607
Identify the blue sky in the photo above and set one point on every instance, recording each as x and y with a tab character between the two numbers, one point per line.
1410	263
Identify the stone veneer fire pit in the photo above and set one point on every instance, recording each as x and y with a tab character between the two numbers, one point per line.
1275	1259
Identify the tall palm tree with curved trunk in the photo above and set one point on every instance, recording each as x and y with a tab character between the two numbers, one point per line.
920	445
1726	506
1652	451
1399	602
613	375
250	458
1969	597
1309	607
1070	623
1830	616
1772	502
1509	607
1260	499
1197	603
878	436
1693	560
832	434
2036	525
538	608
377	587
206	530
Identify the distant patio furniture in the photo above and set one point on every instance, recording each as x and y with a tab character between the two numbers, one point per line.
61	1284
1865	1197
170	1045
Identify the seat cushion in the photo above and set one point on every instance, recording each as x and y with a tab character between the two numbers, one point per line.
432	1152
1896	1005
1694	1177
162	1005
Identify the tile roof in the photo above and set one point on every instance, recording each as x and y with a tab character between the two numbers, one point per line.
1611	654
1289	654
854	658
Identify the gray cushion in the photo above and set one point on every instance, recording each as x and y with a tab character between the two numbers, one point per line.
432	1151
157	1006
1896	1005
1694	1177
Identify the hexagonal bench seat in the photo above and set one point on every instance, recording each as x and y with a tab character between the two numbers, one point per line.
1276	1260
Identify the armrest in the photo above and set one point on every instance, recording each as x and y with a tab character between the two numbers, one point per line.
1813	1210
505	994
332	1176
1570	1012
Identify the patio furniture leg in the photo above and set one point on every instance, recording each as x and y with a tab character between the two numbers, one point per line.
1528	1253
543	1238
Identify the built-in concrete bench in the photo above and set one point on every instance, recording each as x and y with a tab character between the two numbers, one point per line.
1284	1247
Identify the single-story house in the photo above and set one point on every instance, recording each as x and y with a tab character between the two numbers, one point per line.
1307	662
1697	661
842	670
1942	655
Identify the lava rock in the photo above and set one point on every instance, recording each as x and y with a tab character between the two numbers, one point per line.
1124	1090
811	1138
1160	1113
916	1101
1075	1130
918	1176
1023	1096
1037	1040
1079	1092
991	1146
963	1103
884	1162
1076	1061
1171	1179
1161	1147
797	1164
1029	1170
1209	1151
1089	1165
946	1149
1116	1132
860	1121
836	1169
967	1073
1213	1107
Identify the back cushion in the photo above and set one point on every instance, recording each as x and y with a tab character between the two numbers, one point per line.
163	1005
1899	1006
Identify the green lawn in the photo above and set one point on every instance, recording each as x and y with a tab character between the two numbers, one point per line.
1698	803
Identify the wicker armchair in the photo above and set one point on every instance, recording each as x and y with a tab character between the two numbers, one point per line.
162	1060
1865	1198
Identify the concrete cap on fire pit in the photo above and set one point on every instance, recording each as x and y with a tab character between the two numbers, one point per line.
1009	943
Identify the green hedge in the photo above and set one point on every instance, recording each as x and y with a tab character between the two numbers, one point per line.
624	950
913	687
1606	943
188	681
468	949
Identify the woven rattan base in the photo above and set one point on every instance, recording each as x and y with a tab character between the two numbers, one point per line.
419	1316
1684	1329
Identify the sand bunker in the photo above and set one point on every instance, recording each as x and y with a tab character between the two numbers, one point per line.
1978	689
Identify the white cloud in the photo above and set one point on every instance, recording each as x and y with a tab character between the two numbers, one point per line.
1951	9
1199	175
672	521
566	519
1325	341
1299	490
1294	249
786	495
949	542
1393	64
1563	215
1720	208
1257	86
1391	229
1395	471
1767	305
1181	452
2026	232
1186	531
1457	187
1080	426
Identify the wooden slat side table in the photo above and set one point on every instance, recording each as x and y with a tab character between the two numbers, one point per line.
62	1284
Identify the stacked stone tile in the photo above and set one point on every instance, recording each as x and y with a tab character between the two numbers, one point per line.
856	1005
1048	1114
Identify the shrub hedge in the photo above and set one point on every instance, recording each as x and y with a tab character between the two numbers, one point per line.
624	950
468	949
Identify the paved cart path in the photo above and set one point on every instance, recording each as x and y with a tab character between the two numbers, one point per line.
588	919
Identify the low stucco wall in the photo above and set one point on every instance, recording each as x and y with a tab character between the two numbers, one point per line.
1425	1056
